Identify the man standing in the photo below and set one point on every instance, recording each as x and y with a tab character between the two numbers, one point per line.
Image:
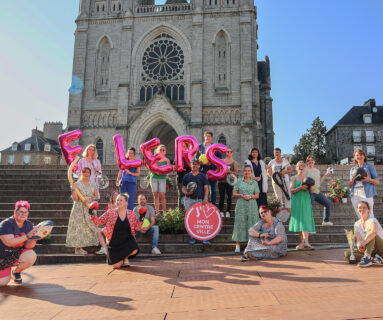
201	192
180	176
282	165
144	211
16	244
205	168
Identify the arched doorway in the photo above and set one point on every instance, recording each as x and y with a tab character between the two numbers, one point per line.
167	135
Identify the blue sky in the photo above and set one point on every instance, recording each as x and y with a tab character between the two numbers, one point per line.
326	56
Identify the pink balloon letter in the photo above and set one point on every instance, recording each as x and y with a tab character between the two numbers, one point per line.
221	171
67	150
122	162
185	155
152	159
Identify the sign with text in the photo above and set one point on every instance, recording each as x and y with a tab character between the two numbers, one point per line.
203	222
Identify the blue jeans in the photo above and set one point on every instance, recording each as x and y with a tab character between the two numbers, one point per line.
130	189
321	199
190	202
155	231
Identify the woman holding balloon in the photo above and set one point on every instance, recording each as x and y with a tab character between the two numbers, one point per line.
127	179
81	231
90	161
158	181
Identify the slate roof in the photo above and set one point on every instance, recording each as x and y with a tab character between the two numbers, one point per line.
37	144
355	116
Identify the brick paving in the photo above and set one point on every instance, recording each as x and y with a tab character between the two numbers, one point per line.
303	285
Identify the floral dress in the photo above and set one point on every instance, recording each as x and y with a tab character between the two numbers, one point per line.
246	211
256	249
81	231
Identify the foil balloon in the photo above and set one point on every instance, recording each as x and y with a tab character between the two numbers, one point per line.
185	155
122	162
152	159
221	171
69	152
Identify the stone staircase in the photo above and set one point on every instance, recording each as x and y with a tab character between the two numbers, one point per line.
47	189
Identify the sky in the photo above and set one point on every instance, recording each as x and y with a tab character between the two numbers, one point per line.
326	56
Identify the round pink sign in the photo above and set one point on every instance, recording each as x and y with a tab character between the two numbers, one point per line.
203	222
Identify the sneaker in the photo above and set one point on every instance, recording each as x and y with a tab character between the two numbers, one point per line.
327	224
237	249
192	241
222	214
377	259
365	262
17	278
207	242
244	258
227	214
155	250
126	263
102	251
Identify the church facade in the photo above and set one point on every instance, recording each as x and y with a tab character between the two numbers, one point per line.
146	70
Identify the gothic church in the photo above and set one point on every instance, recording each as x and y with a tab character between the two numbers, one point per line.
166	70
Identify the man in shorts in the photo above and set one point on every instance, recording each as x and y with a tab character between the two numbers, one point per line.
16	244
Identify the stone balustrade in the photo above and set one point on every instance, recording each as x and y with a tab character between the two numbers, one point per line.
166	8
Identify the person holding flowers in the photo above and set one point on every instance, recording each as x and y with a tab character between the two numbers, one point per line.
364	189
316	195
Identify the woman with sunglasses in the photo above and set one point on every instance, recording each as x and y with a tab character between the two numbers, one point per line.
267	238
224	187
81	231
158	181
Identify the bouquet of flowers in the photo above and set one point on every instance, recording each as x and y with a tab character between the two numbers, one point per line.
336	190
172	221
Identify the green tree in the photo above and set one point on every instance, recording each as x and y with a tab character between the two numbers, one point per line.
312	143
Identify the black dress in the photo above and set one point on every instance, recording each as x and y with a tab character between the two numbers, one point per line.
122	243
262	200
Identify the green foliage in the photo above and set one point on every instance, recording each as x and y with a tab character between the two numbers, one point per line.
273	203
312	143
172	221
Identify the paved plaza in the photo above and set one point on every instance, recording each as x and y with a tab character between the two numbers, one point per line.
305	285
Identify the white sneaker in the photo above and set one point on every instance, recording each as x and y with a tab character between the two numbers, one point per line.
101	251
222	214
126	263
328	223
155	250
227	214
237	249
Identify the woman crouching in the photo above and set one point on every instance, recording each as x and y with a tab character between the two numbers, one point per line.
120	226
267	238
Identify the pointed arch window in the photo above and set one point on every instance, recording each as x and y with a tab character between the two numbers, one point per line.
100	149
222	62
103	67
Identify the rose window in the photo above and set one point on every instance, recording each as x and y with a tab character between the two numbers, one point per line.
163	60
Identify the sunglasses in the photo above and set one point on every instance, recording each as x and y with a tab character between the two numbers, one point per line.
162	150
229	151
263	212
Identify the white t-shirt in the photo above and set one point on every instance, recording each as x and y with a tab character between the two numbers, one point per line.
368	226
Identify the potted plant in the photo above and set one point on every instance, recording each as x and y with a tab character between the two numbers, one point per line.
172	221
336	190
345	194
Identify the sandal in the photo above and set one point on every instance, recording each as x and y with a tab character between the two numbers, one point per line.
300	246
309	246
80	251
244	258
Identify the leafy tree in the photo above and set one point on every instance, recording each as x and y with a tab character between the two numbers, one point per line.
312	143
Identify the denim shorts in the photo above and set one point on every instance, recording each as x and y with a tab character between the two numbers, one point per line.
158	185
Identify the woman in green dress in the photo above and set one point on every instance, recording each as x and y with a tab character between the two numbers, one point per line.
302	219
81	231
246	209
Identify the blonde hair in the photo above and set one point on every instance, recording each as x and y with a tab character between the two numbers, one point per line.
300	162
157	150
85	153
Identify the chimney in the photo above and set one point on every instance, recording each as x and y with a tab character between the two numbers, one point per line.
370	103
52	130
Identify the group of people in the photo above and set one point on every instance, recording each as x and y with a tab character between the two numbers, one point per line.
254	222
